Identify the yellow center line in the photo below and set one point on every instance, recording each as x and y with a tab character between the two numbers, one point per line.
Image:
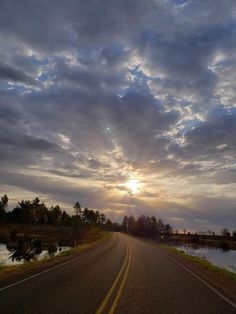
104	303
114	305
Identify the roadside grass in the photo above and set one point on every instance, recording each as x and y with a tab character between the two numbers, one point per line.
93	240
206	264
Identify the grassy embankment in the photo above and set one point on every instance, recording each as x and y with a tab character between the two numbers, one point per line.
88	240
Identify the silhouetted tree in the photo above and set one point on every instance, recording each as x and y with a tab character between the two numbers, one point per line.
153	226
24	212
131	224
77	209
55	215
225	232
101	219
52	249
65	218
25	250
234	234
89	216
40	211
108	225
167	230
142	227
146	226
36	212
3	207
160	226
124	225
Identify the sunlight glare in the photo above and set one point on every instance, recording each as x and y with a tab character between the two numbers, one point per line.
132	184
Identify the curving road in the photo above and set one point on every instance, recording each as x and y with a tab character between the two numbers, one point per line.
125	275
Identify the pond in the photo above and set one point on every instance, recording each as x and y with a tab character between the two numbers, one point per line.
223	258
26	251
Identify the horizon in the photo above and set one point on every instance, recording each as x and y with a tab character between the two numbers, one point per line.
127	107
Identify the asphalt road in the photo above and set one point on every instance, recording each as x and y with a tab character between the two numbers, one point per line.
125	275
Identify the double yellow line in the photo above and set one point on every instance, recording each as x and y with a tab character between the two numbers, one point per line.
124	269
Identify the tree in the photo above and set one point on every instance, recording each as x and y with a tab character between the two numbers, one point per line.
153	225
4	201
36	212
3	207
40	211
89	216
77	209
55	215
108	225
125	224
234	234
168	230
131	224
101	219
160	226
36	202
24	212
65	218
142	226
225	232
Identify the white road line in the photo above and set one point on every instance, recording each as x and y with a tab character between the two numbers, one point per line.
204	282
46	270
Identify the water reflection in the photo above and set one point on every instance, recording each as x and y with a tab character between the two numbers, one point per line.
52	249
26	250
222	257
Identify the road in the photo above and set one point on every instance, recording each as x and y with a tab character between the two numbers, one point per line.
125	275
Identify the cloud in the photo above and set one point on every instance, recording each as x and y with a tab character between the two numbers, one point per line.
10	73
212	139
216	130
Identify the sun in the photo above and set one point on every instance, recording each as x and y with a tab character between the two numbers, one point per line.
133	185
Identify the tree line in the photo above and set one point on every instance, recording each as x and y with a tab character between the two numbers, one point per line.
146	226
36	212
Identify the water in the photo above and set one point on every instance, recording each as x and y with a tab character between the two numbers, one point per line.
219	257
21	252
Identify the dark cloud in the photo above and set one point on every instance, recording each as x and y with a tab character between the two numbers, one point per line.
9	73
9	115
220	212
213	139
215	131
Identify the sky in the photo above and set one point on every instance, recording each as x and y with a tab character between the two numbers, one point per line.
127	106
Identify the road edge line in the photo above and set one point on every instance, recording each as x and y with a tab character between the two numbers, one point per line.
219	294
204	282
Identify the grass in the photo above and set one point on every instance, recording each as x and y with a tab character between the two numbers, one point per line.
93	241
206	264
